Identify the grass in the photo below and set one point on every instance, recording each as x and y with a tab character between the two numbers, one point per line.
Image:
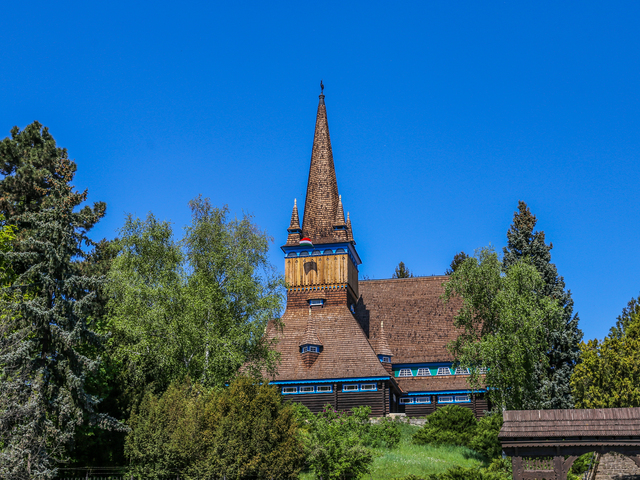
418	460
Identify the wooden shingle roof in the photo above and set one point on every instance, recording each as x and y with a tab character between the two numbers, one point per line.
622	423
346	352
322	204
433	384
417	324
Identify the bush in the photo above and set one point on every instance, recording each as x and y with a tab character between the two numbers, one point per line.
243	431
499	469
486	440
336	443
384	434
450	425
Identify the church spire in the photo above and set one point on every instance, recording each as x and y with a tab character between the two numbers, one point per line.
294	227
322	200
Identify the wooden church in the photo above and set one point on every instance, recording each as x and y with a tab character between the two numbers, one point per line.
347	342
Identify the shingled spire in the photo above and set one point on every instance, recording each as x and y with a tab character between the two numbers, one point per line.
321	205
294	227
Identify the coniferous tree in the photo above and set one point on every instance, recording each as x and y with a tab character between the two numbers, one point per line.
525	243
456	262
49	348
402	271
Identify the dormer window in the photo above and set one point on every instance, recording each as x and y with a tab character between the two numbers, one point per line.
444	371
317	302
424	372
310	348
462	371
384	358
405	372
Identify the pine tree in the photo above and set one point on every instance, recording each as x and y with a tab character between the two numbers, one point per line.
49	351
402	272
458	258
525	243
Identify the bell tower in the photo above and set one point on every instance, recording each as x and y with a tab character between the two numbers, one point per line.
321	262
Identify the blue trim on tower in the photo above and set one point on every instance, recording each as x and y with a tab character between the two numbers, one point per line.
297	249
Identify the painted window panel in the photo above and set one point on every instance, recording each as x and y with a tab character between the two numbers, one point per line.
368	386
462	371
423	399
424	372
462	398
445	399
324	388
444	371
405	372
350	388
306	389
289	389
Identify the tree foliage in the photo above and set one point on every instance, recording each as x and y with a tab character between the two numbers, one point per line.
196	307
524	243
402	271
449	425
504	324
458	258
49	349
244	431
609	374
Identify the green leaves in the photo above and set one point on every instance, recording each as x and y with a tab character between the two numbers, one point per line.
609	374
243	431
505	321
197	307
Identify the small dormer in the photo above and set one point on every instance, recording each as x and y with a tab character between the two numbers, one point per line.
310	353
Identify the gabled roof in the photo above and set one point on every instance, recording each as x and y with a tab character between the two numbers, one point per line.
417	324
346	352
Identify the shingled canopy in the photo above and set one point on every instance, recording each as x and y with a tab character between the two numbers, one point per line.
531	437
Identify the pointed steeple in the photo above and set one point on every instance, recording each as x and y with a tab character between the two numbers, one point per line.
322	200
294	227
349	231
339	221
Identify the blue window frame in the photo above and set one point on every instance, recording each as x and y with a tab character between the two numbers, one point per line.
289	390
368	387
445	399
423	399
462	399
324	388
350	388
316	302
406	401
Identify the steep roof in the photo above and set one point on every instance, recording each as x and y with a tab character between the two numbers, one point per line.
322	202
346	352
417	324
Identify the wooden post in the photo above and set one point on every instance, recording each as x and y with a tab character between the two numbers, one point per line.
518	470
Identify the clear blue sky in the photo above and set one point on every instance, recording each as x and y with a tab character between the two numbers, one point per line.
442	116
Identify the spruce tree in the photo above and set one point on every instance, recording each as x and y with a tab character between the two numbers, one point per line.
525	243
402	271
49	351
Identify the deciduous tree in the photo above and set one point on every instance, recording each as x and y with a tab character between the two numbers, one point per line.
197	307
523	242
609	374
504	324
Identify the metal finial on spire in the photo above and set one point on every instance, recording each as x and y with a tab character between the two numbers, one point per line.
321	88
295	202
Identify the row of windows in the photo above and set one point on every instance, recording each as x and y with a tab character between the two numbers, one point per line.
441	399
316	252
353	387
426	372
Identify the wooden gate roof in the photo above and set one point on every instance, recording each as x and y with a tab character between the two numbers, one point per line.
606	426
